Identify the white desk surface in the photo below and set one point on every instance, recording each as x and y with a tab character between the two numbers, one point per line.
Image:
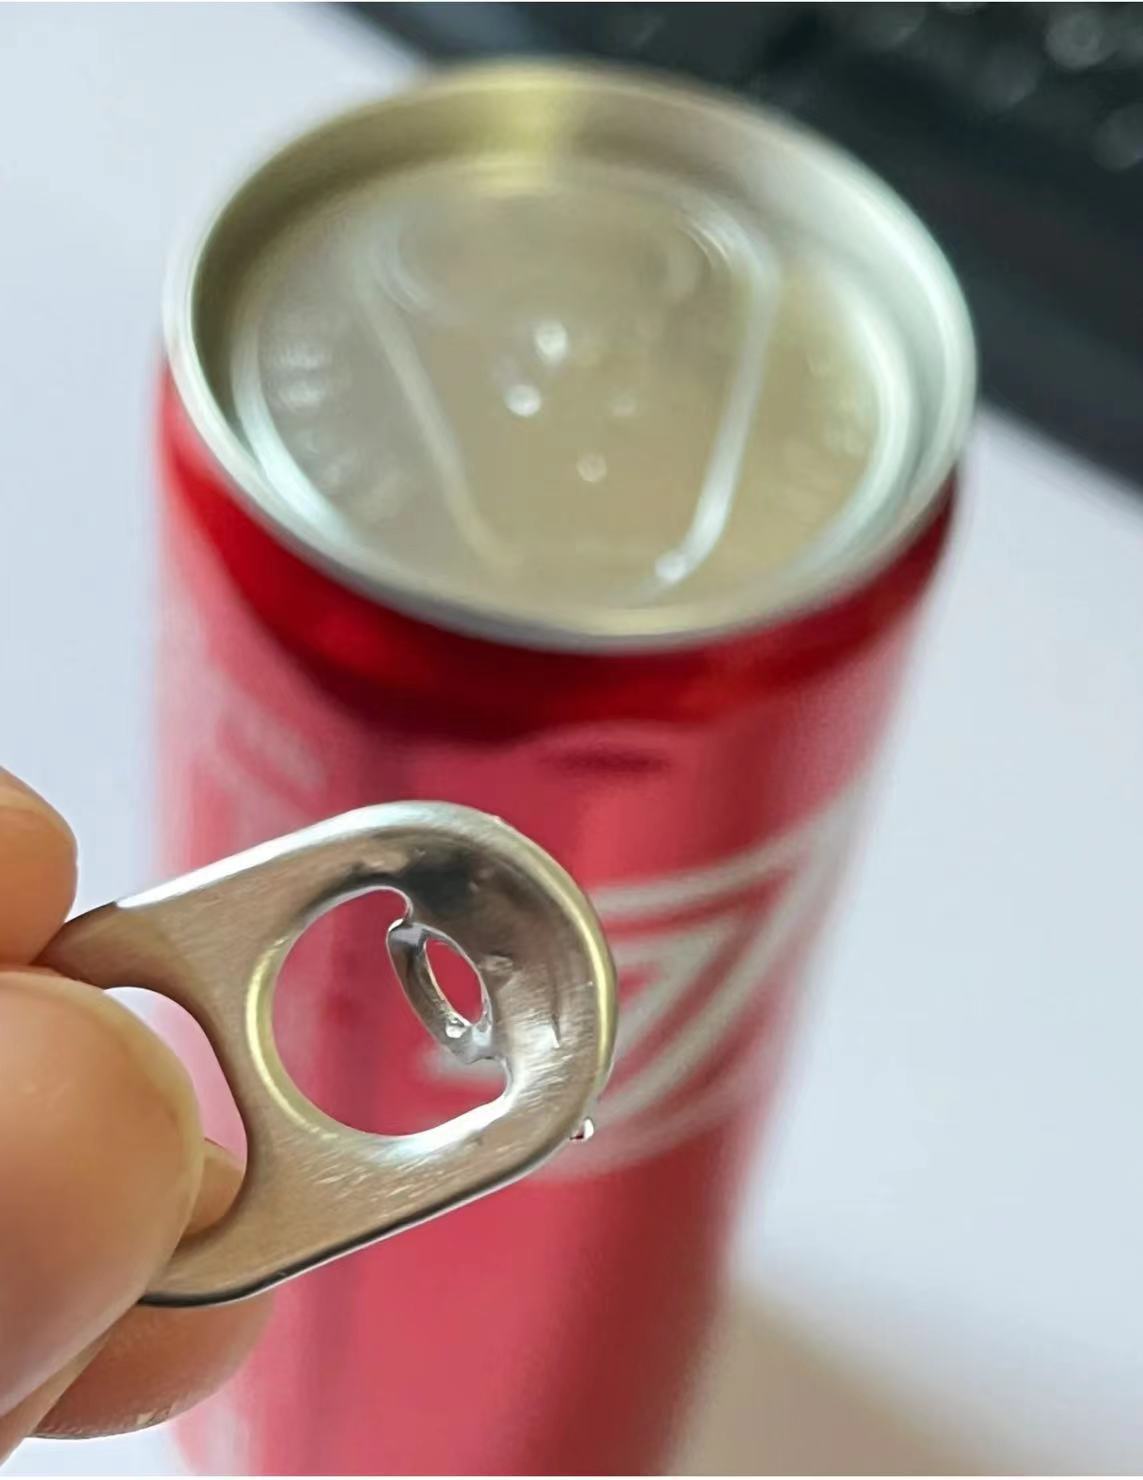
939	1266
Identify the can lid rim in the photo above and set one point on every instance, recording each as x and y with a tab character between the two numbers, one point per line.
680	625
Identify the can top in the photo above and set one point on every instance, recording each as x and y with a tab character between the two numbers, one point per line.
576	359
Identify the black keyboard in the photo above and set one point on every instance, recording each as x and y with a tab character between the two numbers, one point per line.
1016	131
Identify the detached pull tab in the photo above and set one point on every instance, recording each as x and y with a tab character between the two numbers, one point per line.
214	941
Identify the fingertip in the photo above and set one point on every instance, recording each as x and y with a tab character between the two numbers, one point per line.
158	1361
37	870
99	1165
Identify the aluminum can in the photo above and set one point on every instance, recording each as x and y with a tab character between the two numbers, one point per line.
578	447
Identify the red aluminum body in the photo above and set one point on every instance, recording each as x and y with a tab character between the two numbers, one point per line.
703	795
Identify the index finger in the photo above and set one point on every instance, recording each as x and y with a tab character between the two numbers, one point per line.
37	871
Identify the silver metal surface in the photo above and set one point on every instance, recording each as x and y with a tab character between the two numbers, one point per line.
214	941
574	358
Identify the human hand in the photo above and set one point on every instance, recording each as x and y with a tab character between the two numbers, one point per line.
103	1169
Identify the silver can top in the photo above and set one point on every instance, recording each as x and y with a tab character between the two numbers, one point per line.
576	359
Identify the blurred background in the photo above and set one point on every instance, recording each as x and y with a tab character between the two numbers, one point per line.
938	1265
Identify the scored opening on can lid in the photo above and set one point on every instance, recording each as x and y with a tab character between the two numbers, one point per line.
576	359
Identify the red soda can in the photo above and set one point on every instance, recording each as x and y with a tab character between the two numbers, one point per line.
579	448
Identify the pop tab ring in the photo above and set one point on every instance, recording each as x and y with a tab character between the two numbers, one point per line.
214	941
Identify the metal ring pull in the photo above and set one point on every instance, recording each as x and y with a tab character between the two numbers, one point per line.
214	941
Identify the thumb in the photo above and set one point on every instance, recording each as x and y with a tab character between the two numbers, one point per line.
100	1159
